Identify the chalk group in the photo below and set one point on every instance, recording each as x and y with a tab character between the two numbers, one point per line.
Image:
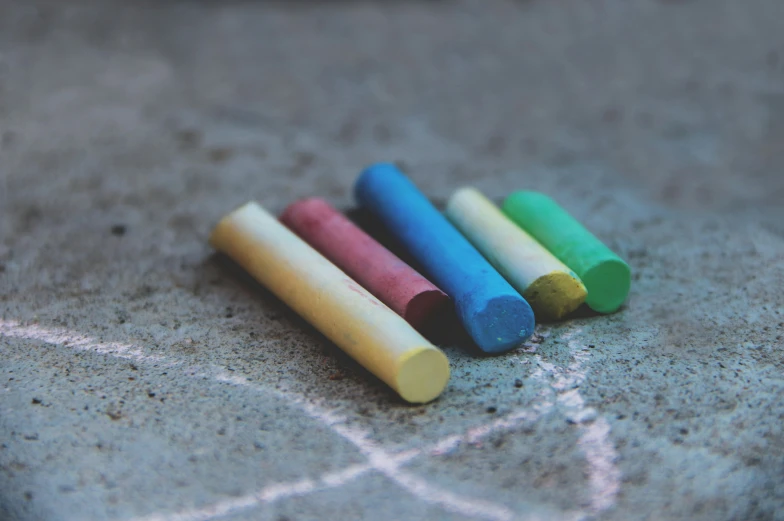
499	269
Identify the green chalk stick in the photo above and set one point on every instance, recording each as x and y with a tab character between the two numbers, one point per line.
605	275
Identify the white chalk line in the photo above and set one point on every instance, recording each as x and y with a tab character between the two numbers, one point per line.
389	464
604	475
76	341
599	451
390	467
268	494
380	460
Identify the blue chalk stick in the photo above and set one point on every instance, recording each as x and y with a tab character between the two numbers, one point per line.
496	316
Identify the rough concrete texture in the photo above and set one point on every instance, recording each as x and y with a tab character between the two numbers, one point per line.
143	378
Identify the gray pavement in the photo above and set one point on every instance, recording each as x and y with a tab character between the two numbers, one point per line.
144	378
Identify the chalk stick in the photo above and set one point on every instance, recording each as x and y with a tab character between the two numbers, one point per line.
495	315
551	288
362	258
374	335
605	275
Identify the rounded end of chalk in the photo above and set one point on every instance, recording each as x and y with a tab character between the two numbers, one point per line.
525	198
424	307
219	232
292	211
555	295
422	375
608	284
499	324
369	175
465	192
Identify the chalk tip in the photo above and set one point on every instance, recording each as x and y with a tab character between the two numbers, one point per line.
500	324
371	173
608	284
380	167
217	235
463	191
422	375
425	306
306	202
307	212
555	295
526	195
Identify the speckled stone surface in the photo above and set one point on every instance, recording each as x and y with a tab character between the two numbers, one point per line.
142	377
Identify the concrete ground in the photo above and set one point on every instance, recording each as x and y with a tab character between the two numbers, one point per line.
143	378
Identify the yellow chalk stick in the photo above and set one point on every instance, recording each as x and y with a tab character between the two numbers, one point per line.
341	309
551	288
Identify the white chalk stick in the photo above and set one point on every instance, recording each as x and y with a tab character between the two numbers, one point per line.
551	288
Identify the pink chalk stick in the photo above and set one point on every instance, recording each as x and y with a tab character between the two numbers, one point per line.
362	258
